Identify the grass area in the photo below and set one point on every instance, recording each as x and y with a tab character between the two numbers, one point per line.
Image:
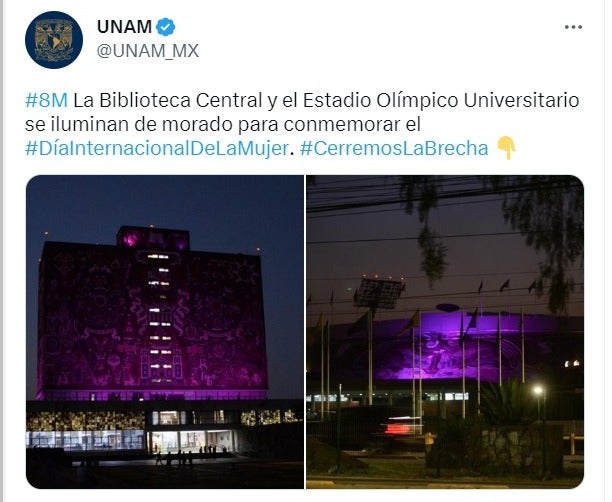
396	468
321	459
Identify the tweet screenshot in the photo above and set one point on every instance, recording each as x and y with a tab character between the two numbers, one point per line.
303	246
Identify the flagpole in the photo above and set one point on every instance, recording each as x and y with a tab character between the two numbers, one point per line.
420	373
370	383
413	375
331	301
478	367
328	374
499	347
462	339
309	312
522	345
478	351
322	371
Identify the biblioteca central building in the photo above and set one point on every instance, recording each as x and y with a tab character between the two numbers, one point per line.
148	346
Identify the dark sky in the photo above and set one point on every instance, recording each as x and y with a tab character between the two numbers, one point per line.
227	214
380	239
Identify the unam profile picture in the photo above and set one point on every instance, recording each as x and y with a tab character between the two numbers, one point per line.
54	40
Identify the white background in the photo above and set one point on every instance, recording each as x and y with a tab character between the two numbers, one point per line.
446	46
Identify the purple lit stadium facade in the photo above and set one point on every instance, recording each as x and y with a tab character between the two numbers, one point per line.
148	346
547	349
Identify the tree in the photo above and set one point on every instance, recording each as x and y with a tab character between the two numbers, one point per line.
547	210
424	191
507	404
550	214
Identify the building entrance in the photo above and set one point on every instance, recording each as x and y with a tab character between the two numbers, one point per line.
210	441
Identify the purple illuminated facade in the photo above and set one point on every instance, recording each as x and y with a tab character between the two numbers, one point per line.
149	319
433	350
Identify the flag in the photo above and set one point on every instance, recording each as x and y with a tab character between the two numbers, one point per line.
480	288
308	299
360	324
414	321
471	324
331	300
473	320
314	331
505	285
416	318
313	334
533	285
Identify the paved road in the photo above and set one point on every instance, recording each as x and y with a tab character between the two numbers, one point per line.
372	483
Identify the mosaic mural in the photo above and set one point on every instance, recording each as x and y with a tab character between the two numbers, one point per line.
125	317
434	349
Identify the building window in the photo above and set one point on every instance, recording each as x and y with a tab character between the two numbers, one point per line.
155	256
168	418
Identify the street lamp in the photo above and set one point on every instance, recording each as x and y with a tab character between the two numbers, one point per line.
539	391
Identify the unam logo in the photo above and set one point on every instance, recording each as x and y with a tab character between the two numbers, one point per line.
54	39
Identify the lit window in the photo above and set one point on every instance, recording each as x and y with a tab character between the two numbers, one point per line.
155	256
153	283
155	366
166	338
167	366
153	323
163	269
154	337
164	283
154	309
154	351
166	352
166	324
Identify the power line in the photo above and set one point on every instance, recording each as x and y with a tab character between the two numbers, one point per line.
406	312
375	192
384	239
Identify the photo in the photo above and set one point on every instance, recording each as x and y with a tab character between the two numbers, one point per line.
445	331
165	332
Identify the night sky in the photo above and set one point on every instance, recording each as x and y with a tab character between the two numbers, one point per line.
228	214
373	237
